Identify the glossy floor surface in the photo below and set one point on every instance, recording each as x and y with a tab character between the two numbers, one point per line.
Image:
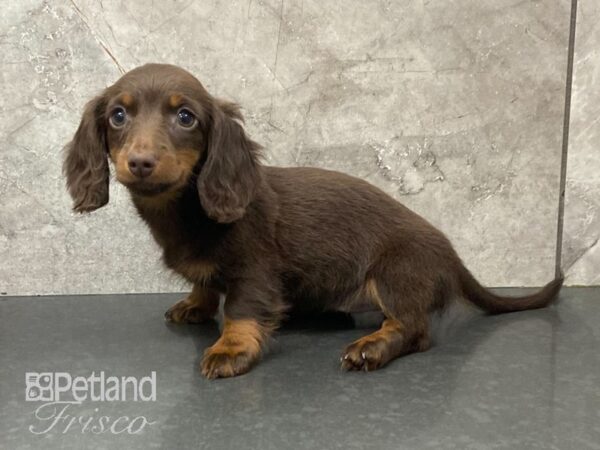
515	381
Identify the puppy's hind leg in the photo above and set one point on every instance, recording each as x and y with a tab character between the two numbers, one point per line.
404	330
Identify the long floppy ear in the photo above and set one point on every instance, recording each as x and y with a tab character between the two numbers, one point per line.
86	160
231	174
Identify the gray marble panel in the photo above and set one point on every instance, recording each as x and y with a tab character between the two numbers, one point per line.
581	250
454	108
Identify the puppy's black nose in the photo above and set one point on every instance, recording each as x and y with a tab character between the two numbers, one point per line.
141	165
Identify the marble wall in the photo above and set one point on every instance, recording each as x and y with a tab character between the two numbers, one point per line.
455	108
581	247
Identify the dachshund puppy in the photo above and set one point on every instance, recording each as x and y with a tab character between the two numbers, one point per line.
273	240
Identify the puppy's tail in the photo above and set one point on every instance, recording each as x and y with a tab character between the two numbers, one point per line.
496	304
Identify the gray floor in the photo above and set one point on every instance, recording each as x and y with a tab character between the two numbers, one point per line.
523	380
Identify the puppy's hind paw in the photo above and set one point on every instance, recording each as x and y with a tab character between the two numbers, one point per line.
365	356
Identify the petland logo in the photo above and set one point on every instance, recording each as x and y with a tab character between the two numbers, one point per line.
62	393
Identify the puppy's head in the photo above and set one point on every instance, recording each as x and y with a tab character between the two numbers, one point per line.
163	131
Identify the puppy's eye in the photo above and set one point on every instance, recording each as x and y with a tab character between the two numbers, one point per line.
186	118
118	117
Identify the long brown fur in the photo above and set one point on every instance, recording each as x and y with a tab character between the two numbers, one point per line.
273	240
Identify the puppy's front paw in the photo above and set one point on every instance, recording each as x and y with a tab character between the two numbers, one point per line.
222	362
185	311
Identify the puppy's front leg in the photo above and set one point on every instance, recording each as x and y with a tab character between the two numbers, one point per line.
199	306
251	315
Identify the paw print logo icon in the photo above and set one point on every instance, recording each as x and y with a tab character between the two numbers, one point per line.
39	387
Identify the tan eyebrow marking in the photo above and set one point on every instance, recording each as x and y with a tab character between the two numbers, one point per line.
127	99
175	100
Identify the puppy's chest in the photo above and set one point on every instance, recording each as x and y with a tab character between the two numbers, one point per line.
197	271
185	252
193	267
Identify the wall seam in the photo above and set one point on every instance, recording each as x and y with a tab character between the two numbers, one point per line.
565	139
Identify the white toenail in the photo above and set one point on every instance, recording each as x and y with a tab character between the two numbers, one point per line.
363	354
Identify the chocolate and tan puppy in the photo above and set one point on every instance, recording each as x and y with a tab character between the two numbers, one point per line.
272	239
